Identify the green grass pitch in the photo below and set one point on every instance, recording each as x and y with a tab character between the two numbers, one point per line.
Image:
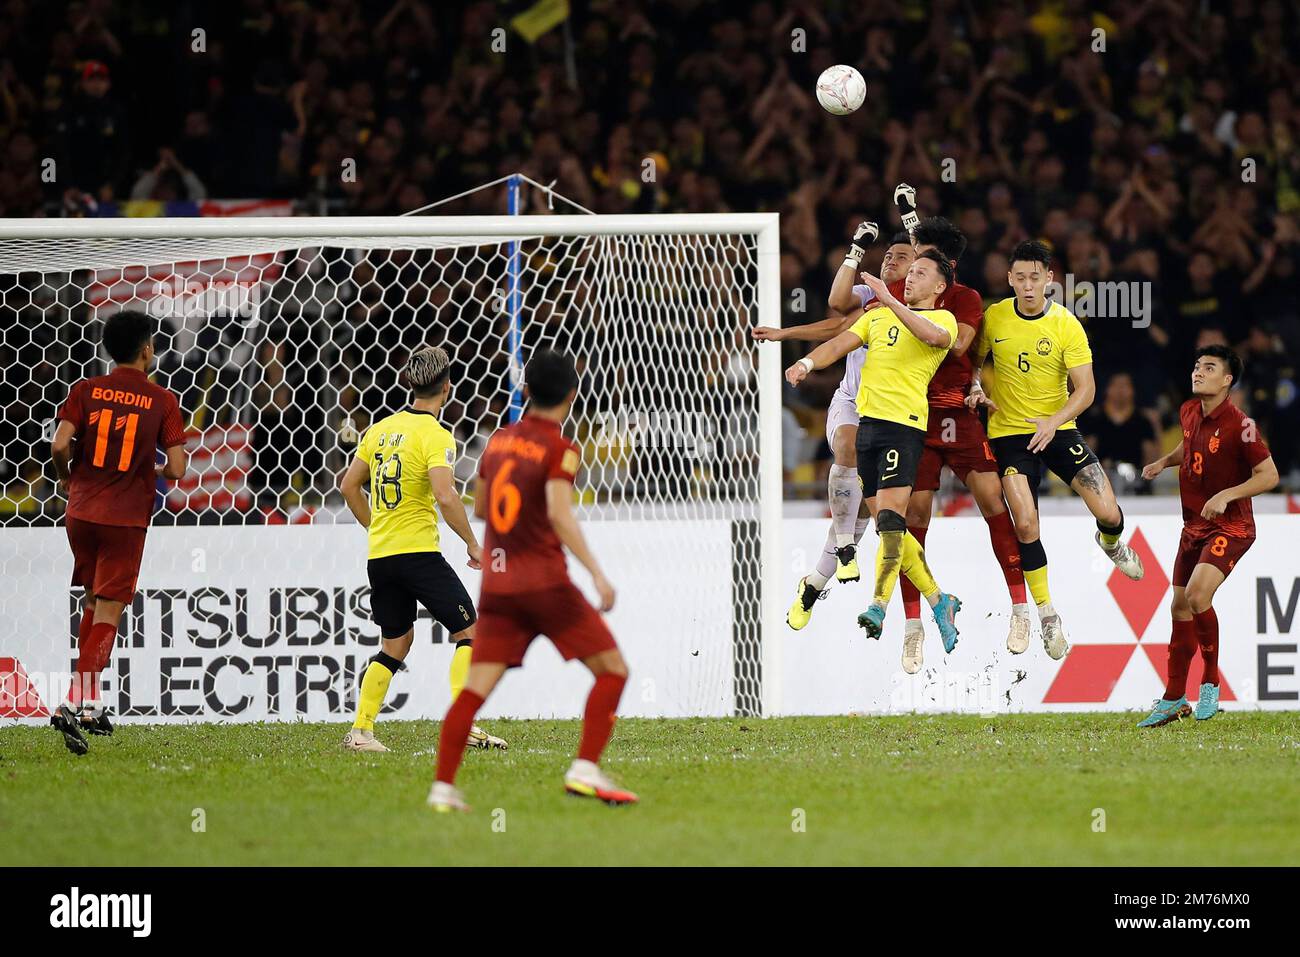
1020	789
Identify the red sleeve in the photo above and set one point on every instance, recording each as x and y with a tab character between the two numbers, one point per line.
565	461
969	308
1253	445
73	412
173	427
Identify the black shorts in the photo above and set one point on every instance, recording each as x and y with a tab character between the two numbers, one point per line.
1066	455
888	454
397	582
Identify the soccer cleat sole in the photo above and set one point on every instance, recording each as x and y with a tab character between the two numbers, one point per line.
485	742
73	740
1178	714
849	573
100	726
613	798
872	628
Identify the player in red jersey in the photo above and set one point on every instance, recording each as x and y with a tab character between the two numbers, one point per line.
525	491
1222	462
104	455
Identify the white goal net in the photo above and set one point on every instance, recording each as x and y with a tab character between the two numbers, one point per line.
282	339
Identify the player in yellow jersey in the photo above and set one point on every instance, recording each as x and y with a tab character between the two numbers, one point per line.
1039	350
905	344
406	459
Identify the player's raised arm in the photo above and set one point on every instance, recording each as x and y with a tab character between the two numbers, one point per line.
822	330
559	509
351	485
931	333
842	298
452	510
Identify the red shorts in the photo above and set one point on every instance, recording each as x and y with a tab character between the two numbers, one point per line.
955	438
1212	548
508	623
105	558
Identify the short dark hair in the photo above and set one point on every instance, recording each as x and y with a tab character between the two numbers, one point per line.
550	377
1235	366
945	267
126	334
942	234
1031	251
900	237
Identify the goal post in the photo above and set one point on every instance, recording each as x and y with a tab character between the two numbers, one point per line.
282	337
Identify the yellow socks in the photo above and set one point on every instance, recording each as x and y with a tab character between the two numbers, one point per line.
460	666
374	686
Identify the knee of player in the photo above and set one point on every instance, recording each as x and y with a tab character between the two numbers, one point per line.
1199	600
1026	527
614	664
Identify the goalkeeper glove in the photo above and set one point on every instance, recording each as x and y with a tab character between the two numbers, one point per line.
905	200
863	237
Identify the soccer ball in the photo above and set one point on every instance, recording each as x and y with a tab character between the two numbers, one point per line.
841	89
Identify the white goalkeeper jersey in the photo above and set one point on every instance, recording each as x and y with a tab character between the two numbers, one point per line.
848	390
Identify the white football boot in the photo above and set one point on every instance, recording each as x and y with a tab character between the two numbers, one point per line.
1125	559
359	740
913	646
1054	636
478	738
1021	624
445	798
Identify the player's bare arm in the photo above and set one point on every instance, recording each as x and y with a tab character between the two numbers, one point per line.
1263	478
351	485
480	499
61	450
1172	458
452	510
822	356
559	509
1083	391
822	330
928	332
842	298
965	337
177	461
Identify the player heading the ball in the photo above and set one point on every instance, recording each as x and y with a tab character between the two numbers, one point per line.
905	344
525	491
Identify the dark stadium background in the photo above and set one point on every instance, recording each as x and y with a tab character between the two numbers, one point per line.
1129	162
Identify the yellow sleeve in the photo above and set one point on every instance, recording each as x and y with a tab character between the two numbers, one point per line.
439	450
862	328
948	321
1076	349
366	447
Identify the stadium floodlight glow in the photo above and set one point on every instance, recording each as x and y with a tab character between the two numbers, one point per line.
679	419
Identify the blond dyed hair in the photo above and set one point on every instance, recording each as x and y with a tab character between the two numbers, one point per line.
427	369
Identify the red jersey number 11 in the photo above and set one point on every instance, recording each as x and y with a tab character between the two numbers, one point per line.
103	419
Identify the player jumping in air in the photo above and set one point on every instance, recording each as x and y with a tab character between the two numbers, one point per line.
1222	462
1037	348
849	518
104	453
407	459
525	491
905	344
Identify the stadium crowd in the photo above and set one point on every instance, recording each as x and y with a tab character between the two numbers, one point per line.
1148	141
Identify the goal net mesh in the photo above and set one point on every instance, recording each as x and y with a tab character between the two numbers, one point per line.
252	598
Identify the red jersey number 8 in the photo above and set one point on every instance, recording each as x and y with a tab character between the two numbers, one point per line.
504	500
1198	462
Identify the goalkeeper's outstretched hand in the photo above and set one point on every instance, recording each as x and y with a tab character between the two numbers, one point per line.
863	237
905	200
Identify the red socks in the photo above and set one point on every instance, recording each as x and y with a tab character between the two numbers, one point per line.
455	733
1207	635
912	597
1182	645
598	719
1002	535
94	649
